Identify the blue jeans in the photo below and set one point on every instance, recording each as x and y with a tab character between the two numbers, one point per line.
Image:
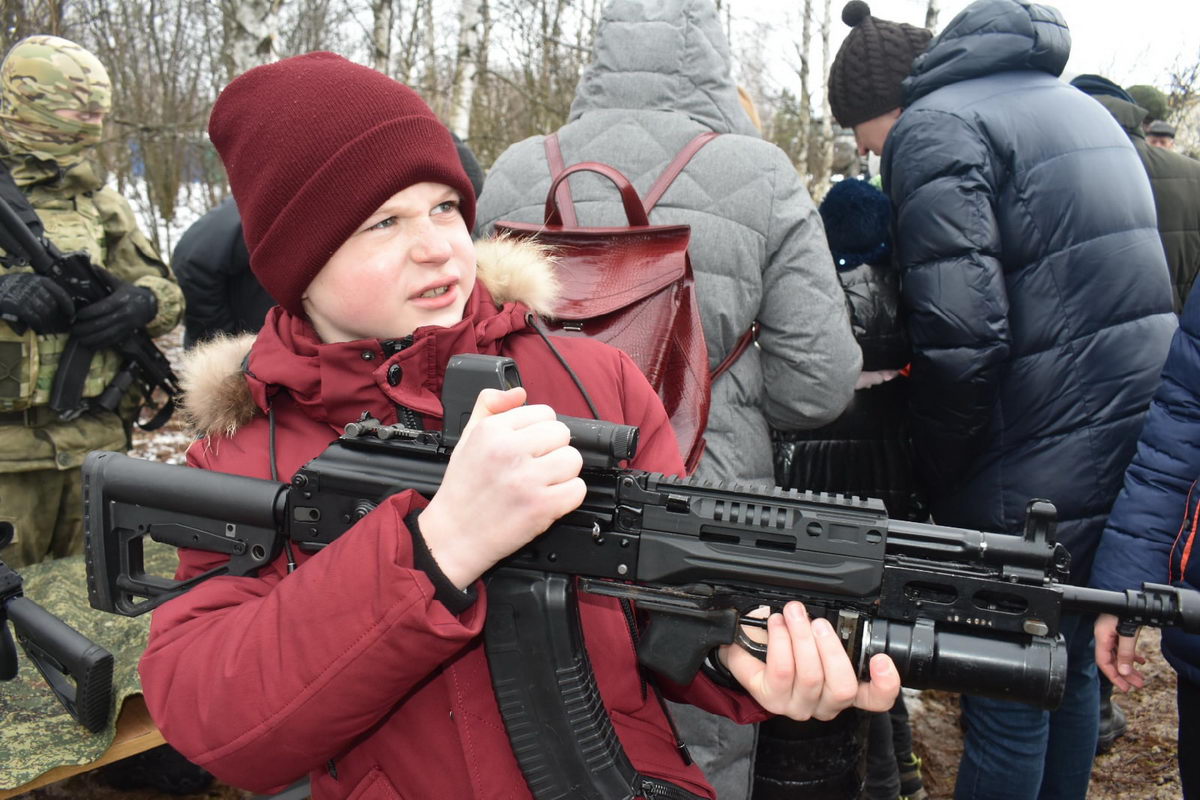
1013	751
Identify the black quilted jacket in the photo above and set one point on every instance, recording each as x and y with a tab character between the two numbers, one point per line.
865	452
1033	279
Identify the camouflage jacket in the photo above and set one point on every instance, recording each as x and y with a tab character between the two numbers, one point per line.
79	213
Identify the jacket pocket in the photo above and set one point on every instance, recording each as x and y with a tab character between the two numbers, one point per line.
375	786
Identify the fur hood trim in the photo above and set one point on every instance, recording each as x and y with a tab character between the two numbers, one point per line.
217	400
519	270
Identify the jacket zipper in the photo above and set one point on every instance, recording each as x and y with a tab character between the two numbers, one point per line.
404	415
653	789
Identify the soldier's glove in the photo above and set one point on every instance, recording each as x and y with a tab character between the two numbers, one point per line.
29	300
110	320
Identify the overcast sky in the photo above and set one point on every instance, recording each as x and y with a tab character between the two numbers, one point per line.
1129	42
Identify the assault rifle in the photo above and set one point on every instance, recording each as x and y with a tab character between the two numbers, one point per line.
956	609
144	364
56	649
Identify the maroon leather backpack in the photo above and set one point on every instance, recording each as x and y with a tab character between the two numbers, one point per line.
631	286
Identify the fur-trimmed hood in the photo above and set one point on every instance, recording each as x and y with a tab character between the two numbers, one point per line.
218	396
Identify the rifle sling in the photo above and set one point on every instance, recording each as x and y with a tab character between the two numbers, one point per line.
19	202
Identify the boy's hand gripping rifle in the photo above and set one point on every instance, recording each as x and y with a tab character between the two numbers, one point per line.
56	649
144	364
956	609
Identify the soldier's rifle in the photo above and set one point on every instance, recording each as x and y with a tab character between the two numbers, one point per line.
956	609
144	364
78	670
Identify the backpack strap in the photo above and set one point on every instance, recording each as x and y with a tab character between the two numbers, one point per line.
566	205
675	167
739	347
635	212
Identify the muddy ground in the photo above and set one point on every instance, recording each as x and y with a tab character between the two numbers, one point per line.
1141	766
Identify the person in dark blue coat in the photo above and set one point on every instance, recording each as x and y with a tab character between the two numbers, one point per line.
1152	536
1039	310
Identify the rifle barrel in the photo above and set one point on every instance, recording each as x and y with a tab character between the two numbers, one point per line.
1154	604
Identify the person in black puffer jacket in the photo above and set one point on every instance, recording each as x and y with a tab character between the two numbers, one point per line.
865	452
213	268
1039	308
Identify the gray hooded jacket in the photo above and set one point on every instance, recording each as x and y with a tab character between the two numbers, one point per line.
660	77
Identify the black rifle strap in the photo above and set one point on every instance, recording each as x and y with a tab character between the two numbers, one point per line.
287	542
534	323
19	203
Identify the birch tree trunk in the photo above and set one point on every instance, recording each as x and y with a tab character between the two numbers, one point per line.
932	9
804	51
410	42
431	86
251	28
467	66
819	183
383	16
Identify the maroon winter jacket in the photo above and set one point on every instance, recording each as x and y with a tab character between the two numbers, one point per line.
349	669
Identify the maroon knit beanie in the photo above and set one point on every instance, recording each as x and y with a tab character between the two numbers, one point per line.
313	145
874	59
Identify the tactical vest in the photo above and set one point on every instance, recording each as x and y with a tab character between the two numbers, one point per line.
29	361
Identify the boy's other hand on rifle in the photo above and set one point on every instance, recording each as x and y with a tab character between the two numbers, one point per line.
807	674
512	474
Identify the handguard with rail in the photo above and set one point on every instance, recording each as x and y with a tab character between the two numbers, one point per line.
144	364
955	609
78	670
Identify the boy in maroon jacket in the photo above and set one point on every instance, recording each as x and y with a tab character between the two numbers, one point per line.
364	666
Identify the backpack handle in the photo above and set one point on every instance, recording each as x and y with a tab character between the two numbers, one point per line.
635	212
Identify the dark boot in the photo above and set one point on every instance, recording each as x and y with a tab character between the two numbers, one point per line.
1112	719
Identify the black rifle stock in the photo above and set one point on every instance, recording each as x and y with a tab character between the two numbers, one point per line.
58	651
956	609
144	364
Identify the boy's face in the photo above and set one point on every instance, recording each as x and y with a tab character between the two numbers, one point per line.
411	263
871	135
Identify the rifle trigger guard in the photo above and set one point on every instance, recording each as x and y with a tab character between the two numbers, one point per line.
756	649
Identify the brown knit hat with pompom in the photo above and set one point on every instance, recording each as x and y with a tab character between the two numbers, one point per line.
874	59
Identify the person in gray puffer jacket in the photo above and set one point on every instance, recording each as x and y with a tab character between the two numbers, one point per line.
660	77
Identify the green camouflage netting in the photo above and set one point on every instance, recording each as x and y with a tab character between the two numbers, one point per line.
36	732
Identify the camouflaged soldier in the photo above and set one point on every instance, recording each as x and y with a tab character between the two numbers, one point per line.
53	98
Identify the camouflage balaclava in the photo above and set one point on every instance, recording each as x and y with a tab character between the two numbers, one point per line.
39	76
